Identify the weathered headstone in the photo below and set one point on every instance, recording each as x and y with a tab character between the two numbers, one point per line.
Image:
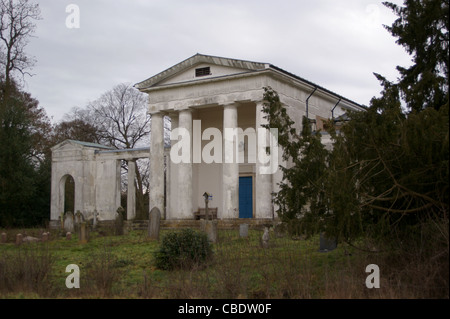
3	238
83	233
243	230
30	239
69	222
210	228
19	239
94	223
61	220
265	238
44	237
78	219
327	244
118	223
154	223
68	236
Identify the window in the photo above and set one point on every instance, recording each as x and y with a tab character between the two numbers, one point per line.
202	71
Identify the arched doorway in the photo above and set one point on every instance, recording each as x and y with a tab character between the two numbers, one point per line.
67	194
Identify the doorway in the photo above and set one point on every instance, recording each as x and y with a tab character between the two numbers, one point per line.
246	197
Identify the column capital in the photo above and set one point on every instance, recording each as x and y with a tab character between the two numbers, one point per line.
185	110
230	105
161	113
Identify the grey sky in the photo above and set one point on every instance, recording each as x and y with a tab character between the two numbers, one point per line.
337	44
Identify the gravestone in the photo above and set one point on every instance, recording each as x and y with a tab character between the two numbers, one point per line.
78	219
327	244
210	228
3	240
118	223
265	238
61	220
19	239
68	236
243	230
154	223
44	237
83	233
30	239
69	222
94	223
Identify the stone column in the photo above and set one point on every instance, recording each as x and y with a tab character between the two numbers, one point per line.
185	203
131	194
230	166
172	178
157	162
263	182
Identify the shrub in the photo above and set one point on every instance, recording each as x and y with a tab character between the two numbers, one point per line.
183	249
102	271
27	269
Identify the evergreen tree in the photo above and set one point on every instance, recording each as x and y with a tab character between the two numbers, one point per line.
25	161
387	174
301	199
422	28
16	168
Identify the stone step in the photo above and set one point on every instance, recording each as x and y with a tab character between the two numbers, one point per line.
191	223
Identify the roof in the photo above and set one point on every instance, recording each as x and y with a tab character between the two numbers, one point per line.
198	59
84	144
94	145
248	66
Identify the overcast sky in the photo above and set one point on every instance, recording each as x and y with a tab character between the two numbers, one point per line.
337	44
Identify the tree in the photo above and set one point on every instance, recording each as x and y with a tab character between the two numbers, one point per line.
422	28
24	126
17	24
301	196
121	117
118	118
76	129
24	166
386	177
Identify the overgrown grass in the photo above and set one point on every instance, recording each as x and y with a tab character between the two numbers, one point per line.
124	267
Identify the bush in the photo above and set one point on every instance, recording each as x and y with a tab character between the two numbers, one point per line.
183	249
102	271
26	269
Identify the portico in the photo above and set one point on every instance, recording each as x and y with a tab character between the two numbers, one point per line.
206	97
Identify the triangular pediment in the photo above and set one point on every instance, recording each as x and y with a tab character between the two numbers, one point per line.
200	67
73	144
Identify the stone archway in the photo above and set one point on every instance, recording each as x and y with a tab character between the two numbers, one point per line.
92	173
67	194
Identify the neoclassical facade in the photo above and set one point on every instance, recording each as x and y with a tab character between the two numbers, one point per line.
205	96
217	147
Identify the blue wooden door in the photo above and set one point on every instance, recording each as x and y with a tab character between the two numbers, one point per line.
245	197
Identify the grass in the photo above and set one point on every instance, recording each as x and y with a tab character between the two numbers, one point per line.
123	267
